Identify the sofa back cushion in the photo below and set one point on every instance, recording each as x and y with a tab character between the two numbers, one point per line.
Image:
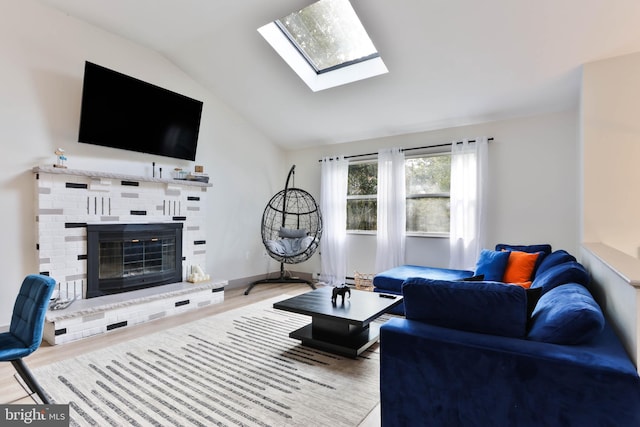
568	272
567	314
554	258
485	307
544	248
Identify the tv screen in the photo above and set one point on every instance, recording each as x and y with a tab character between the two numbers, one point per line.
120	111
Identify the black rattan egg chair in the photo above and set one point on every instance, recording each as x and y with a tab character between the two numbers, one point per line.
291	230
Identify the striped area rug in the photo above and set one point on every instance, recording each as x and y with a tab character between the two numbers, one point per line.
237	368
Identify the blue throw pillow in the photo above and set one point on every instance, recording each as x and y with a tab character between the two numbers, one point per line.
492	265
555	258
568	272
567	314
484	307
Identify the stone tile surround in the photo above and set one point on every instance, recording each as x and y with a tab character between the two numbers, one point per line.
67	200
94	316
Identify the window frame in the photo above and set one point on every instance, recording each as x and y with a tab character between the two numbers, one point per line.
439	195
308	55
351	71
373	197
447	195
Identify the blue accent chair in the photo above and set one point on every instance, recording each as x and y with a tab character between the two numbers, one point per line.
25	332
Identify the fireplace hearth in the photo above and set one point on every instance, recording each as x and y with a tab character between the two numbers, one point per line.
126	257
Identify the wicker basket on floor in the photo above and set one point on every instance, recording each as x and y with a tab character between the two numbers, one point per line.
364	281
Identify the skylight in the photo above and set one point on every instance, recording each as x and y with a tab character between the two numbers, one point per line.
325	44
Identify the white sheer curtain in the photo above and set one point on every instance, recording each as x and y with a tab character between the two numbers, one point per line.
333	206
469	163
390	242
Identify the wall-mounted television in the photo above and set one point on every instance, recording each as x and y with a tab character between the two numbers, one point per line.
123	112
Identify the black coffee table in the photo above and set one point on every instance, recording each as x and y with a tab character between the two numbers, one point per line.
343	328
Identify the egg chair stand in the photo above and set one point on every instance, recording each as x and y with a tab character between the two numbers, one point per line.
281	279
291	230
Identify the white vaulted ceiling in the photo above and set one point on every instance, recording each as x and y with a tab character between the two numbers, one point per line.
451	62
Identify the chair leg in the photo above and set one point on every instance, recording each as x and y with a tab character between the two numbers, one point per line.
29	379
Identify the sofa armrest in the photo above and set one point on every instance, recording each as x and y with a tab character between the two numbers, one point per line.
432	375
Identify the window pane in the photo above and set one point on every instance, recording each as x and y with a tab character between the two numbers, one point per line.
428	215
428	175
328	33
363	179
362	214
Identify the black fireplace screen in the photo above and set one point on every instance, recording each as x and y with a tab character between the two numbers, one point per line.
124	257
137	257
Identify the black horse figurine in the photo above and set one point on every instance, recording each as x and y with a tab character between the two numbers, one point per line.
340	290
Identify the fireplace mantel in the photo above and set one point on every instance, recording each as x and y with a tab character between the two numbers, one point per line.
110	175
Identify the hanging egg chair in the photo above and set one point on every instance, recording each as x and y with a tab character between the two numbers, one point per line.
291	230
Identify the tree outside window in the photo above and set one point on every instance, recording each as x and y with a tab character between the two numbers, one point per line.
428	180
362	190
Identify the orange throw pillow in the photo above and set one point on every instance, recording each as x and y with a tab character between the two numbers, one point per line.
520	267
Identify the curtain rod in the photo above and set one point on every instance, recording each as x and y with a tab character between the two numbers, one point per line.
448	144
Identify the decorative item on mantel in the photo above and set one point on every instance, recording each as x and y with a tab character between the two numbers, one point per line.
198	175
178	173
61	159
197	275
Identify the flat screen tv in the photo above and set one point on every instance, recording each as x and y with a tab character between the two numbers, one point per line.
123	112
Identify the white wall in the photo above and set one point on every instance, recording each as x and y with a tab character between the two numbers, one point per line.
610	144
533	179
42	55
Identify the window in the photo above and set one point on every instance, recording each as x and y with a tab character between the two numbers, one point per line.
362	190
325	44
428	180
328	34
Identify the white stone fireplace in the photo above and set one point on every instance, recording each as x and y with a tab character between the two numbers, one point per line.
69	202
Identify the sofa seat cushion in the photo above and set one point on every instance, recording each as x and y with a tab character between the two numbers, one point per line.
568	272
485	307
392	279
567	314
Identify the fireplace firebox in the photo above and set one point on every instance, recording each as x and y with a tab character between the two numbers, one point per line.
126	257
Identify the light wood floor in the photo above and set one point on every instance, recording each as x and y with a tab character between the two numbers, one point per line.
12	392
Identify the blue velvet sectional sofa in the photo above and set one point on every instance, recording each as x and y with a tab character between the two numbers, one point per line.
486	353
